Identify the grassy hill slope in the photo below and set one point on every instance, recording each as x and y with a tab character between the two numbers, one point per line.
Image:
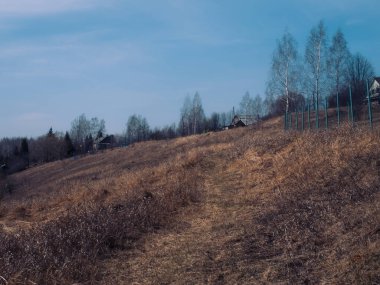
247	206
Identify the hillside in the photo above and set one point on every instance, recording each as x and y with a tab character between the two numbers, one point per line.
246	206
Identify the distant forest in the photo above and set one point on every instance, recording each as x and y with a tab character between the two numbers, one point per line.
323	71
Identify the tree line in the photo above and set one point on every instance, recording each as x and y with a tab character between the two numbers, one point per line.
325	70
19	153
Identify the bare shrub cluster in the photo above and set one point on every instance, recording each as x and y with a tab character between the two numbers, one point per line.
65	250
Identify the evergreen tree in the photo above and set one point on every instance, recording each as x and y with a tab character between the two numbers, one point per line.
25	151
68	146
50	134
89	143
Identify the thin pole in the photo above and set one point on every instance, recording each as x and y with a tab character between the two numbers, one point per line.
290	120
308	115
285	120
297	119
337	107
326	115
369	107
351	111
317	116
303	115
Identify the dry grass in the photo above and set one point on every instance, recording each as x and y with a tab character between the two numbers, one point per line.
316	211
248	206
63	216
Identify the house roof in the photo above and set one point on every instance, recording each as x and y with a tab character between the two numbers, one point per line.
107	140
377	78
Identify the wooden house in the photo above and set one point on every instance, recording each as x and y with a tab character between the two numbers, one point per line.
374	90
104	143
236	122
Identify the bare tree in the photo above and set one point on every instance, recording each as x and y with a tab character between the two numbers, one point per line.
185	120
359	71
315	58
137	129
337	62
82	128
192	119
251	106
246	105
283	76
257	106
97	127
198	115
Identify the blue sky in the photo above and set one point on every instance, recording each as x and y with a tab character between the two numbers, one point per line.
114	58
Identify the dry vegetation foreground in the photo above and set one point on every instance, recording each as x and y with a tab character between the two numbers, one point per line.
238	207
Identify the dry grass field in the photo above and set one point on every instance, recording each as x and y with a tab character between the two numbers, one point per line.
245	206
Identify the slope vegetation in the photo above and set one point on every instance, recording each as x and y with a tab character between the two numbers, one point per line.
247	206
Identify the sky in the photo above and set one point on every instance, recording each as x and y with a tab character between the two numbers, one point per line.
111	59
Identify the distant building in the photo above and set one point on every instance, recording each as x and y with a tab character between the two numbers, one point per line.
248	119
104	143
374	90
236	122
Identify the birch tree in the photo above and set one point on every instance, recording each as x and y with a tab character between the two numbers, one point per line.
246	105
315	58
337	62
283	76
257	105
185	120
192	119
81	127
198	114
137	129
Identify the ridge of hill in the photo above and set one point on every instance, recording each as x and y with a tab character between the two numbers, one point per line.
246	206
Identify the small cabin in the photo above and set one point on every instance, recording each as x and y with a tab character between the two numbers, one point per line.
236	123
374	90
104	143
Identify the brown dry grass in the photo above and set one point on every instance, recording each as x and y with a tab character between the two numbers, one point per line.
239	207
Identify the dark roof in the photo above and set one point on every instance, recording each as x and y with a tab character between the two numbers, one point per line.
236	122
107	140
377	78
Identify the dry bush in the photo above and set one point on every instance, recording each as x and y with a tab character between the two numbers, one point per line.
65	249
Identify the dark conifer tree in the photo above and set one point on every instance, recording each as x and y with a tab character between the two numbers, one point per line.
69	149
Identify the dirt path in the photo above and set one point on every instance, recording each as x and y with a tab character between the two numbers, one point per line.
205	244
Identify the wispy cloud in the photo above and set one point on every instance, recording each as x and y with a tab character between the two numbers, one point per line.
37	7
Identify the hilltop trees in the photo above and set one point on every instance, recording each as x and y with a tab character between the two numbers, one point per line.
137	129
68	146
325	72
192	119
337	62
315	59
284	73
359	71
197	115
14	154
251	106
246	104
84	130
51	146
24	151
